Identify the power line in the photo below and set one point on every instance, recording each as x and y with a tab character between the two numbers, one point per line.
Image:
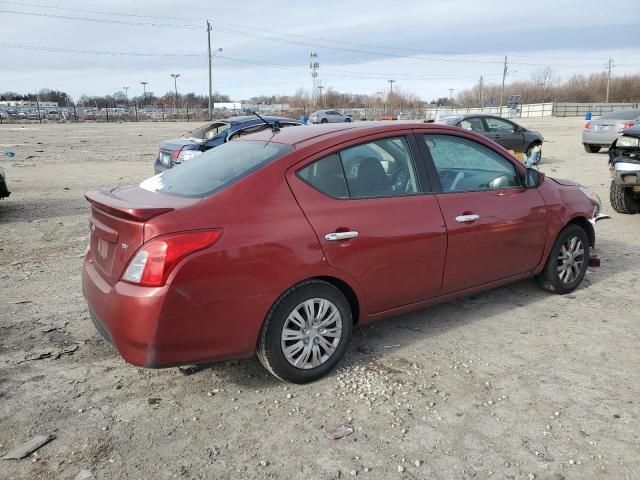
343	42
284	40
344	73
102	20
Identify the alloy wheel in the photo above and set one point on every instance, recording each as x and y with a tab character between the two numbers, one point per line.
570	260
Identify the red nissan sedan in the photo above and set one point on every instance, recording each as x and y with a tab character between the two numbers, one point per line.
281	242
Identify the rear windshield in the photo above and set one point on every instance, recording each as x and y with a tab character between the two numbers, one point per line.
215	169
623	114
209	130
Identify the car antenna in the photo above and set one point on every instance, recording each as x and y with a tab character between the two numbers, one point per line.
274	128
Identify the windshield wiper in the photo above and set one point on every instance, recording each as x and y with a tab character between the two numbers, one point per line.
275	127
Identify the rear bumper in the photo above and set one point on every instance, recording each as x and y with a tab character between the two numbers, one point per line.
599	138
159	167
166	326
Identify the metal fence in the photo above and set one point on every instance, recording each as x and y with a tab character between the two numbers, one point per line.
565	109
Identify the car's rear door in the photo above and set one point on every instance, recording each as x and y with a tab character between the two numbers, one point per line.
496	228
375	217
505	133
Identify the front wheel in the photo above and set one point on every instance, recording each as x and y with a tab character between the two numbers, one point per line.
624	199
306	332
324	120
591	148
567	262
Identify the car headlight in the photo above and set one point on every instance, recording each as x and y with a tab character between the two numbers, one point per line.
625	141
594	198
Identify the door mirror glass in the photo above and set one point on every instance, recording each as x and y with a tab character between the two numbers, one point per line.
534	178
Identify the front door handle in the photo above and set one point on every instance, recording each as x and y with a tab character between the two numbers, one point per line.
467	218
332	237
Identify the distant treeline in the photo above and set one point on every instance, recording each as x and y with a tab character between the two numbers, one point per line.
543	86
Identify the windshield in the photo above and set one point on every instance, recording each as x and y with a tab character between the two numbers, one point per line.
215	169
209	130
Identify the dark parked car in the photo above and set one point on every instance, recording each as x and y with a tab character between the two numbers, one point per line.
178	150
280	243
4	189
502	131
624	163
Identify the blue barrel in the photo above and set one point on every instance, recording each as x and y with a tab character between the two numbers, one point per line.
304	120
587	116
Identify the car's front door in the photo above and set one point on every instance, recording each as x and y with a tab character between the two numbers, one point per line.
505	133
496	228
375	219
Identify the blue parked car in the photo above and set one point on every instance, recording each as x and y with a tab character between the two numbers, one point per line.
178	150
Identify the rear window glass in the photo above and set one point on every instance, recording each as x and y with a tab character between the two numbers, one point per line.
215	169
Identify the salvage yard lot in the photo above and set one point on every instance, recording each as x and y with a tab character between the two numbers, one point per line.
512	383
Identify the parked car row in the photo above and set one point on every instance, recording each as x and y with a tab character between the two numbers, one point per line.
280	242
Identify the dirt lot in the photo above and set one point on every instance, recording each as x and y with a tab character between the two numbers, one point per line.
512	383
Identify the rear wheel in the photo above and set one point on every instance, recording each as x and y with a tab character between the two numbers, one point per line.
324	120
567	262
624	199
347	119
592	148
306	332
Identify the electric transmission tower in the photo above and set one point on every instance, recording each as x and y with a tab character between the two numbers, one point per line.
314	66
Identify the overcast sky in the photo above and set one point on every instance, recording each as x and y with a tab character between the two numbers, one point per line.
426	46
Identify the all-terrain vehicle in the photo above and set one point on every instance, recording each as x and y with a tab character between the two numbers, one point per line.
624	163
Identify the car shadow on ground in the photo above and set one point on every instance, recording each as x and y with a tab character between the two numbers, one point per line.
376	341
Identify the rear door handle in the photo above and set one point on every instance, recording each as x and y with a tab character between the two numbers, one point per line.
467	218
332	237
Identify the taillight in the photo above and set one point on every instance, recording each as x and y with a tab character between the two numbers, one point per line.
587	126
175	154
154	261
628	125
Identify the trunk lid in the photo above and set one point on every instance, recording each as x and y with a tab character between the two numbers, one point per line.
117	222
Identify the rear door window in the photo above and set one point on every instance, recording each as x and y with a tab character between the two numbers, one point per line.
382	168
474	124
497	125
216	169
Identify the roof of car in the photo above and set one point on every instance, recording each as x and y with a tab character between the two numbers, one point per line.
298	135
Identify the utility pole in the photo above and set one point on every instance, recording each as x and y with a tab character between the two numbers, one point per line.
126	96
209	28
610	66
175	84
451	95
391	82
322	100
504	75
480	94
144	93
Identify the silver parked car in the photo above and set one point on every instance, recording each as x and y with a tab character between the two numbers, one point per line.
329	116
601	132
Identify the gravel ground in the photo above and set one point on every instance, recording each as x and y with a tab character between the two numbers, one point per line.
511	383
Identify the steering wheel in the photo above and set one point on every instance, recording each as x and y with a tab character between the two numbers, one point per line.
400	179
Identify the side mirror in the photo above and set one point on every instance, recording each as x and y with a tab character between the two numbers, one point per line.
533	178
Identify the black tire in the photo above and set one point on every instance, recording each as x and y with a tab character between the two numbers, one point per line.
347	120
549	279
324	120
528	153
624	199
591	148
270	349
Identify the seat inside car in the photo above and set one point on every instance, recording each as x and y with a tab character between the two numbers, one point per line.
371	179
